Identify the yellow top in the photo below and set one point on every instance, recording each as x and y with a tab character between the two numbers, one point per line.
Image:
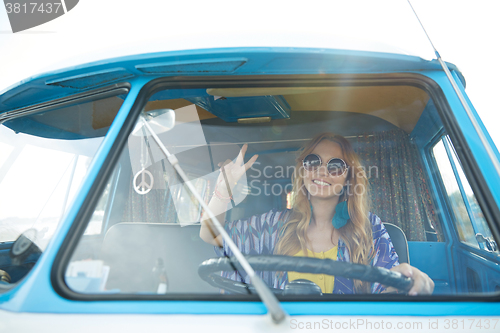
325	282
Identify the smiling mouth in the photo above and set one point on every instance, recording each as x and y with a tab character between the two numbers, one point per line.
320	182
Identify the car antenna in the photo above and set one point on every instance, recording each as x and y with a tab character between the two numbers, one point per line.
461	97
268	298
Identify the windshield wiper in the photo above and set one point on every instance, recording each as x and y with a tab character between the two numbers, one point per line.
268	298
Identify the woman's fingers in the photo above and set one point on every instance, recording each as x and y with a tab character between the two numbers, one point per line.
241	158
234	170
241	155
250	162
422	284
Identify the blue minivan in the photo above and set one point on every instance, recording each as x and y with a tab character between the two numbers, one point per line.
107	168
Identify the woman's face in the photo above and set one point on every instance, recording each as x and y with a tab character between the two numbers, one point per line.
320	183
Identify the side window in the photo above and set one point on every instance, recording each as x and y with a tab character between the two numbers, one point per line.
468	217
43	161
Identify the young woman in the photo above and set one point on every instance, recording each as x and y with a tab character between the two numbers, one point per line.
329	219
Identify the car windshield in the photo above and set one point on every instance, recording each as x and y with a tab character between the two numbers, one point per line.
378	154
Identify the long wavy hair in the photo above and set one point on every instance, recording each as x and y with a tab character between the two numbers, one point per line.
356	234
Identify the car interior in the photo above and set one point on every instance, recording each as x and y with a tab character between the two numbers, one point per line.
144	231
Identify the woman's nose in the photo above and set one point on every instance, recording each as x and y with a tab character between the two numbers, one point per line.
322	170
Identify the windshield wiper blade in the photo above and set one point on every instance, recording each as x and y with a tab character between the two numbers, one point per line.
266	295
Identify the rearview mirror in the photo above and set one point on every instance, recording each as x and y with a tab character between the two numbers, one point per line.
160	120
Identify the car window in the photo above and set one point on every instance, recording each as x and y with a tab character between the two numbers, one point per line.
469	221
44	157
155	238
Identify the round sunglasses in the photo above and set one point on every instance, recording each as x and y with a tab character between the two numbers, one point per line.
335	166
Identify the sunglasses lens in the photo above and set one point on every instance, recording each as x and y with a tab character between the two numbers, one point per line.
336	167
311	162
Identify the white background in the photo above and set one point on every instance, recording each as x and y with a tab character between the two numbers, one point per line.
464	32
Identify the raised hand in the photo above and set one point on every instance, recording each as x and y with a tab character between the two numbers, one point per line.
233	172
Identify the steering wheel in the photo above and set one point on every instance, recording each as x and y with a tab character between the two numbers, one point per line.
210	270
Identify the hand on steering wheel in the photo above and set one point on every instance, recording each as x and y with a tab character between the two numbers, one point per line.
422	285
210	270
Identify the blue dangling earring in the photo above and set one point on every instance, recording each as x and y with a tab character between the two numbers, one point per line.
341	215
310	205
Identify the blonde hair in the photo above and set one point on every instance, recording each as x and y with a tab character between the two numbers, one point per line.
356	234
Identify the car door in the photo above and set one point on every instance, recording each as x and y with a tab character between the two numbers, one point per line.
473	247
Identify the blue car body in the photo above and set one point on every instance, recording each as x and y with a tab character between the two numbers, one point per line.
39	291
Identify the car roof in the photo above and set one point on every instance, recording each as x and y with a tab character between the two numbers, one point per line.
207	62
